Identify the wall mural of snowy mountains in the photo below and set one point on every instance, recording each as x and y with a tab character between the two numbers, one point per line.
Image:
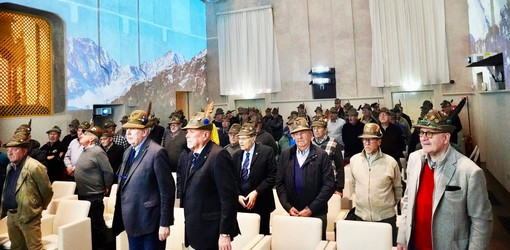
93	77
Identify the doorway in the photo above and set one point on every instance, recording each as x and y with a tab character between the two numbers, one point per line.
412	101
182	102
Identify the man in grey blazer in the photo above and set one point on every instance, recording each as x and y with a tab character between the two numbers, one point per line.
445	205
146	193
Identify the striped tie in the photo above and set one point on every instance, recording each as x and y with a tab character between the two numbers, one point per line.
245	184
244	170
195	157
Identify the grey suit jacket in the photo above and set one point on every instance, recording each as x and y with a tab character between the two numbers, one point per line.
146	199
461	210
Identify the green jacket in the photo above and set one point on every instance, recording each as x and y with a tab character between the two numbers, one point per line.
33	190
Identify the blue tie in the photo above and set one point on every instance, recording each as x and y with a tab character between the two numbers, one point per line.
244	170
129	162
195	157
131	158
245	184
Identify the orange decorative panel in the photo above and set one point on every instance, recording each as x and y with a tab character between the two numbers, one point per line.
25	65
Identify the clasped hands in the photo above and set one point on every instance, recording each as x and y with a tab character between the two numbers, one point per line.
248	202
306	212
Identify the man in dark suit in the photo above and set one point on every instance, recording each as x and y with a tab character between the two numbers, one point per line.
146	193
209	194
256	176
113	151
305	180
51	149
174	141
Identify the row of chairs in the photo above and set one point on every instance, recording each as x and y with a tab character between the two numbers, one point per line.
249	225
60	228
305	233
64	192
289	233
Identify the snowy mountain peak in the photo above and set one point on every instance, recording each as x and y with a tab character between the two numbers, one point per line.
92	73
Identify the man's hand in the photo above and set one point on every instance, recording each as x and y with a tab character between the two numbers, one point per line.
293	212
305	212
164	232
224	242
339	193
69	170
250	199
241	200
50	157
401	247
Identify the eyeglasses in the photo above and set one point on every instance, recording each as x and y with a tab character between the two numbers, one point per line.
369	140
429	134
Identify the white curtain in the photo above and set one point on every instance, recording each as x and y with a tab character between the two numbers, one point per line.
408	43
248	58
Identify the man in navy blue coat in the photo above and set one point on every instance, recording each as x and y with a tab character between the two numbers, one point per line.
305	180
209	194
146	193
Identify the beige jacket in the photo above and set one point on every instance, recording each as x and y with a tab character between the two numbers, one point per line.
33	190
377	186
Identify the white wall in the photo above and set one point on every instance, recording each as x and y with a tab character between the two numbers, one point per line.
338	34
494	130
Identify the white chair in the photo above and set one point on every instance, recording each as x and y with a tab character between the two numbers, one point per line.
347	182
177	202
176	239
109	206
346	201
279	210
69	227
403	163
62	190
291	232
335	213
4	236
474	155
249	225
355	235
121	241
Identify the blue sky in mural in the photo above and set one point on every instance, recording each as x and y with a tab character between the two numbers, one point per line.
164	25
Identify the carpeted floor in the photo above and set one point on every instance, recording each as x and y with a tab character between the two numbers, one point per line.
505	222
493	199
500	200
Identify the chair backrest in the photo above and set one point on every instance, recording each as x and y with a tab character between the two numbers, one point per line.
474	155
289	232
334	207
110	204
70	211
174	175
354	235
249	225
63	188
176	238
279	210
